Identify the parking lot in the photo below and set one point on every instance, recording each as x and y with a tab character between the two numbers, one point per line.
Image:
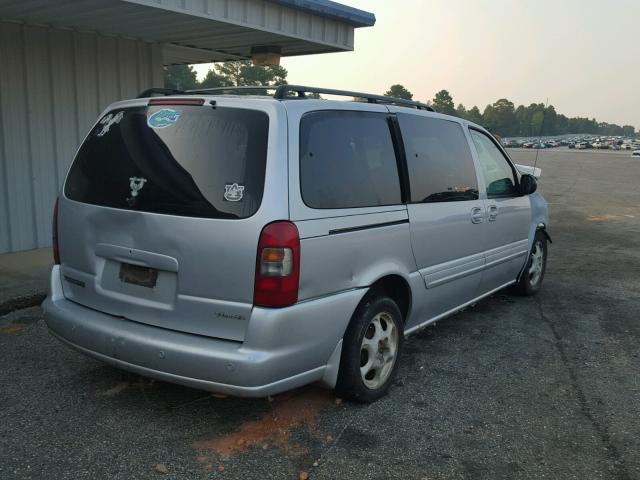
541	387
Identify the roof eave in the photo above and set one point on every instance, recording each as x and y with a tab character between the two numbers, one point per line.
329	9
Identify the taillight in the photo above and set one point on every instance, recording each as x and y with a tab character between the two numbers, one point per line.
54	233
277	266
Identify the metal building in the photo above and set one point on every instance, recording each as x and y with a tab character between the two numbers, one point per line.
63	61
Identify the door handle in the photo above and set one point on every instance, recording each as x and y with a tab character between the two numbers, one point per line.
477	216
493	213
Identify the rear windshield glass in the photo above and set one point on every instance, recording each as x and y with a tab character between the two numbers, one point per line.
182	160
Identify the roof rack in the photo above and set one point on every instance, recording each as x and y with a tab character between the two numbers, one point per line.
241	88
290	92
283	91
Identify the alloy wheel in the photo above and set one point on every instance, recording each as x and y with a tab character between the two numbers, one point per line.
537	263
379	350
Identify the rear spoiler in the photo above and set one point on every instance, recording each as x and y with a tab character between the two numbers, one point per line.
536	172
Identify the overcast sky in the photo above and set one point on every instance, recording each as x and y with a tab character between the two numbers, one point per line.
583	55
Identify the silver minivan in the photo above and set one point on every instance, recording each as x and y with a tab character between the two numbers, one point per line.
251	244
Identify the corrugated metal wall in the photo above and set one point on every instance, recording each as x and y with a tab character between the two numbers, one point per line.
53	85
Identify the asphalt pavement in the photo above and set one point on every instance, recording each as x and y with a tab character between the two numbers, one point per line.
546	387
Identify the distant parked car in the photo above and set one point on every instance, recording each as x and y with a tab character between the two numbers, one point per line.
571	145
636	153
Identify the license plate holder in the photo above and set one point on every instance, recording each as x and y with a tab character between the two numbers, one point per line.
138	275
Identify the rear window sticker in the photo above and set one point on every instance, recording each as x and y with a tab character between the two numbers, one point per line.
108	121
164	118
136	184
233	192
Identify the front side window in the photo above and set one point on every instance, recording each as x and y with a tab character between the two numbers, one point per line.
182	160
347	160
496	170
439	160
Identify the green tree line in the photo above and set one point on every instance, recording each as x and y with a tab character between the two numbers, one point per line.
501	117
226	74
505	119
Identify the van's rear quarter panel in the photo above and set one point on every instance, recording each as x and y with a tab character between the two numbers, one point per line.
333	262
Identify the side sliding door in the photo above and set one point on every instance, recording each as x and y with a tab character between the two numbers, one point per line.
445	212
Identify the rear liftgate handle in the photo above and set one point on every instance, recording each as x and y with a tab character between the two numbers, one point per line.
477	215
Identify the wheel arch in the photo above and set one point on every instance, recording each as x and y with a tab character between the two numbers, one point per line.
393	285
397	288
539	228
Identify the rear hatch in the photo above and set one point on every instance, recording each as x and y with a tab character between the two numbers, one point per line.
161	214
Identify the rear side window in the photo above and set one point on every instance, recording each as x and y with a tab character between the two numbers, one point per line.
178	160
496	170
439	160
347	160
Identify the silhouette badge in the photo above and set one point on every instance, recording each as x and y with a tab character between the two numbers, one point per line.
233	192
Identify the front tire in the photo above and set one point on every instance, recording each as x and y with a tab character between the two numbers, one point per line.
531	279
370	350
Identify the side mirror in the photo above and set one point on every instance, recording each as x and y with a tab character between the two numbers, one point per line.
528	184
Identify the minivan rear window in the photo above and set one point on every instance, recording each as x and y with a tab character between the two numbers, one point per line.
184	160
347	160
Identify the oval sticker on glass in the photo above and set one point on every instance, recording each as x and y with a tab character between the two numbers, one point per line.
164	118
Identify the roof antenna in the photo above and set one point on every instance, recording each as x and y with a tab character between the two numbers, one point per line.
544	110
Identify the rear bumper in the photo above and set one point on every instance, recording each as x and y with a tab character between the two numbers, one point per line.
283	348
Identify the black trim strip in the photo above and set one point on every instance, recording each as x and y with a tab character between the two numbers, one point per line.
401	158
367	227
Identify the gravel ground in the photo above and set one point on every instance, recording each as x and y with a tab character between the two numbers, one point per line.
511	388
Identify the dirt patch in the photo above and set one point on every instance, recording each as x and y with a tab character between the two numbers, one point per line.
603	218
11	329
273	429
122	386
115	390
21	303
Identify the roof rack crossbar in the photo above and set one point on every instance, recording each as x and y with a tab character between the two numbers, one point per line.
241	88
283	91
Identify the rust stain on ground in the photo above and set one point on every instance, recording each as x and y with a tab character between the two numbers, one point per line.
116	389
11	329
140	382
274	428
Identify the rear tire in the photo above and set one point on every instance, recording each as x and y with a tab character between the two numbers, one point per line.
370	350
531	279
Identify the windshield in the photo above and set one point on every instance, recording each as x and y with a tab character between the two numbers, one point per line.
178	160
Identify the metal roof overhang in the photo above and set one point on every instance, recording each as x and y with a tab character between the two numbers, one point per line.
195	31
